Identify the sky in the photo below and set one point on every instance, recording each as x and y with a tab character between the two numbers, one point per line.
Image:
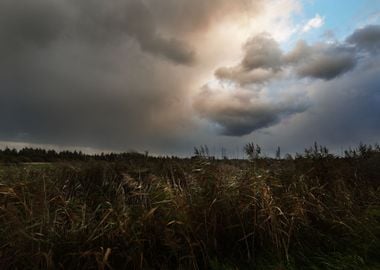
166	75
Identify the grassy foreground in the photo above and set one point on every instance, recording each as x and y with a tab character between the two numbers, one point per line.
314	212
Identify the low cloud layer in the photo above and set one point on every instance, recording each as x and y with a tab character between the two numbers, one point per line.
367	38
240	112
321	61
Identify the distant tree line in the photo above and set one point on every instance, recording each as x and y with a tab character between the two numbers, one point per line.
28	154
252	150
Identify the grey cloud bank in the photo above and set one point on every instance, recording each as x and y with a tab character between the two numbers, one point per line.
263	60
367	38
240	113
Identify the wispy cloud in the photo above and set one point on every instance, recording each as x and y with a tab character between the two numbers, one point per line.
313	23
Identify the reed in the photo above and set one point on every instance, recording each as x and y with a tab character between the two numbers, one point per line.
312	212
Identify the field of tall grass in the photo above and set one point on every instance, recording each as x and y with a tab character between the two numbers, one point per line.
315	211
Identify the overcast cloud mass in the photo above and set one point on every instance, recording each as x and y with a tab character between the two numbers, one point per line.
168	75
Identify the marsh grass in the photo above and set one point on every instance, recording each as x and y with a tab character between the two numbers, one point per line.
309	213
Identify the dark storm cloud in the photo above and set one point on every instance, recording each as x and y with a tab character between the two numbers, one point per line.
119	74
322	61
76	72
367	38
243	76
106	21
26	22
29	23
345	112
263	60
41	18
240	112
140	24
262	63
262	51
196	15
104	74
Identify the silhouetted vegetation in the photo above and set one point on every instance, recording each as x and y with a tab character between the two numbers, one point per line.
41	155
69	210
